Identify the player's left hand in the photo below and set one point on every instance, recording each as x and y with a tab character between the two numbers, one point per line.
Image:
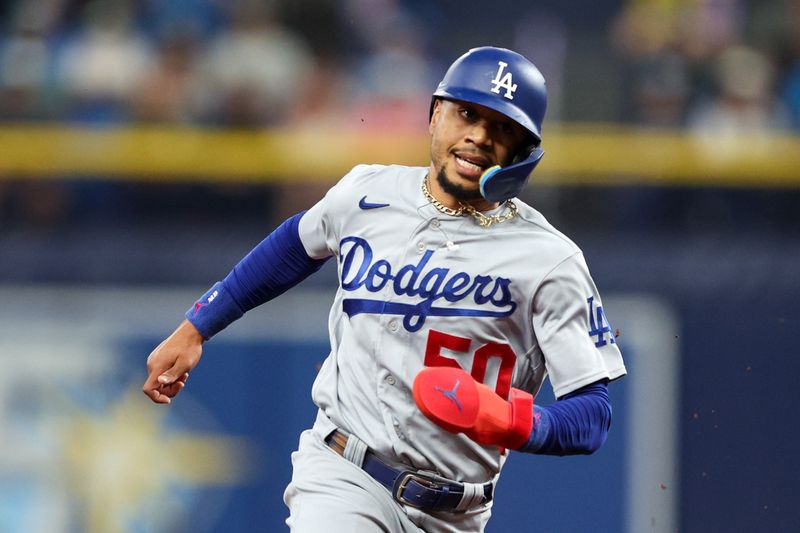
169	364
451	398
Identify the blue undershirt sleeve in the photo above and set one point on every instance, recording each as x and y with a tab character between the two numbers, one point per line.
576	424
275	265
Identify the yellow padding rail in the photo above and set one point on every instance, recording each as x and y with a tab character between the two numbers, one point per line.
575	154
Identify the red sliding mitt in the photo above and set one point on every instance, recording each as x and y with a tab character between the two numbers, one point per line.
453	400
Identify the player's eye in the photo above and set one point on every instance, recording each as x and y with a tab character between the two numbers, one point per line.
507	128
467	113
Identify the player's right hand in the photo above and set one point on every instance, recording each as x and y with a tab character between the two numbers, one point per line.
169	364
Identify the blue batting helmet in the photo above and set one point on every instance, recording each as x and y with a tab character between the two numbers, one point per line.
508	83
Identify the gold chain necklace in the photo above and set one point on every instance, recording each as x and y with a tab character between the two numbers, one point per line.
483	220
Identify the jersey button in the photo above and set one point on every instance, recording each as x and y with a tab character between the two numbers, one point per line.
390	379
393	325
398	430
435	223
420	247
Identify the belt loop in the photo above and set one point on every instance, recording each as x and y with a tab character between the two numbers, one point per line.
473	495
355	450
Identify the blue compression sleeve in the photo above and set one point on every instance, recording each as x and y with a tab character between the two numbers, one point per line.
275	265
576	424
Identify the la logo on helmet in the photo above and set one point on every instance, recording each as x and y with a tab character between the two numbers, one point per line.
503	81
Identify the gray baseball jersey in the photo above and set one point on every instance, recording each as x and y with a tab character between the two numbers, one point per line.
511	304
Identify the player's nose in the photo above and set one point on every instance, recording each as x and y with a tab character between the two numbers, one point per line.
479	133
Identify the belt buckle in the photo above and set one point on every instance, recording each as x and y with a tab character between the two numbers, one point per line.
403	481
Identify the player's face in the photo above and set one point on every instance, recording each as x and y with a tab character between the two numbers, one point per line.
466	139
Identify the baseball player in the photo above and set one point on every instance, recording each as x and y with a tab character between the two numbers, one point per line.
455	301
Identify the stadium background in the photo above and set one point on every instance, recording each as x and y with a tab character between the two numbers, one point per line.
146	145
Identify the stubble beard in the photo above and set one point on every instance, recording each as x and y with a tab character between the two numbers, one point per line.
459	192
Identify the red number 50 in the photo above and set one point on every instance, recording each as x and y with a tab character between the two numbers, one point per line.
438	340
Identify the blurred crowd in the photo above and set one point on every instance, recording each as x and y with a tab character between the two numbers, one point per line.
255	63
711	65
708	66
233	63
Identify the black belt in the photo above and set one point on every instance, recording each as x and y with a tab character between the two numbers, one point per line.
418	489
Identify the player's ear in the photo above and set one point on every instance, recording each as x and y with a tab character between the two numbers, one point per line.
436	106
528	145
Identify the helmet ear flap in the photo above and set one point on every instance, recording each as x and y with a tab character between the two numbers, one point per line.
501	183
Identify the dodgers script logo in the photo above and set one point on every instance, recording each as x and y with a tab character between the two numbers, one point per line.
417	281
